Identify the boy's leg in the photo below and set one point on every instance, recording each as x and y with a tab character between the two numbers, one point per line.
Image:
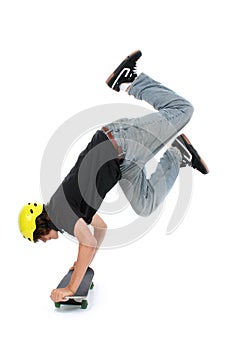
141	138
144	194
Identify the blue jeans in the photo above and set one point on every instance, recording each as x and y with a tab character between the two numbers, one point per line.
141	138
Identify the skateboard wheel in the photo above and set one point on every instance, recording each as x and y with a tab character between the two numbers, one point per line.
84	304
92	285
58	305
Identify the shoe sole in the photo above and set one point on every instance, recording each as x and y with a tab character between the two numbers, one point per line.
116	72
205	167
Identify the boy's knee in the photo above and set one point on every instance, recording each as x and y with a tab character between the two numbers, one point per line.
144	211
189	111
145	214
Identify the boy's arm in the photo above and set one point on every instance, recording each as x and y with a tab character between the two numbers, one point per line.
87	247
100	229
86	252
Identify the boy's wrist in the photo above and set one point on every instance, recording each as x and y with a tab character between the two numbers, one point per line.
72	289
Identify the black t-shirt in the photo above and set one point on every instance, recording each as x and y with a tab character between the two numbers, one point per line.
82	191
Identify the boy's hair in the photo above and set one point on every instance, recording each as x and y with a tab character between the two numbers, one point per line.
43	226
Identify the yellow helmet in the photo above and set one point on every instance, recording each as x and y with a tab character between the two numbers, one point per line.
27	219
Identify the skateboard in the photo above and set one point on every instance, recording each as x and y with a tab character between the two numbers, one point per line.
80	297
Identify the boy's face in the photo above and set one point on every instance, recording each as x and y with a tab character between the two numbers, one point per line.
51	235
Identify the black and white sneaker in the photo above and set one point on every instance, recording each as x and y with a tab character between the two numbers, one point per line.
190	157
126	72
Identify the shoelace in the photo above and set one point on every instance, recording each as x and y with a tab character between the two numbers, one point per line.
134	70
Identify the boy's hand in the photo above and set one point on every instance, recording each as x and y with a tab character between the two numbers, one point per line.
60	293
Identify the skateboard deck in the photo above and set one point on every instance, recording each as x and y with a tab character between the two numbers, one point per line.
80	296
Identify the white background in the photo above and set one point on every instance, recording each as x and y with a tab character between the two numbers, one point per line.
162	292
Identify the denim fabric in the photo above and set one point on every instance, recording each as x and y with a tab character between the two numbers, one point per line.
141	138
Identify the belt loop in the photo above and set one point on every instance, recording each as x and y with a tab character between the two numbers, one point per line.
121	154
106	130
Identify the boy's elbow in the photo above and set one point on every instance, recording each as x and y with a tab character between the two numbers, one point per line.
89	242
105	226
93	243
98	222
